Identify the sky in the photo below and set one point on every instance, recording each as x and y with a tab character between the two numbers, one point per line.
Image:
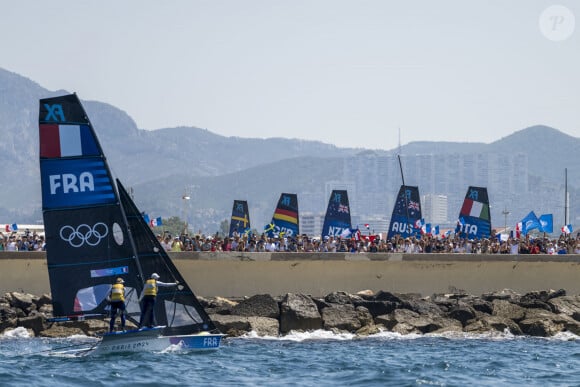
349	73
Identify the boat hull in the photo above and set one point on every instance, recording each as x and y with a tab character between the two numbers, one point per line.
154	340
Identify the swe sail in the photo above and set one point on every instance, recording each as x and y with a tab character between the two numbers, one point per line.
474	216
337	219
95	234
406	217
285	221
240	220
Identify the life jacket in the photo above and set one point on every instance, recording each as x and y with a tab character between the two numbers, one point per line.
118	293
150	287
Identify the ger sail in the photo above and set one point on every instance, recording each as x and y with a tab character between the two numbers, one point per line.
474	216
285	221
95	234
337	218
240	220
406	213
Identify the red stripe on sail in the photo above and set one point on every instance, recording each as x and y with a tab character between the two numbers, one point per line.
49	141
466	209
282	211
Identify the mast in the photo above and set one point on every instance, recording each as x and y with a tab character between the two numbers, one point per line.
566	198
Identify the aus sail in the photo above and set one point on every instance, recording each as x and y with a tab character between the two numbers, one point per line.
337	219
240	221
285	221
406	213
474	216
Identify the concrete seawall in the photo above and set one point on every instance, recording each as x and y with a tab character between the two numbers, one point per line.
244	274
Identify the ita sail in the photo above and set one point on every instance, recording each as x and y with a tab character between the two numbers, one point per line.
240	221
474	216
285	221
95	234
406	219
337	219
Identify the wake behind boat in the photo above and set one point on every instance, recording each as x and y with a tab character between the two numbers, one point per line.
95	234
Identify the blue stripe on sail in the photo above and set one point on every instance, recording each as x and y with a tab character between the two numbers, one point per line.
476	227
70	183
88	143
288	229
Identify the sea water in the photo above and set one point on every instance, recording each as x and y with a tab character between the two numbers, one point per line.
303	359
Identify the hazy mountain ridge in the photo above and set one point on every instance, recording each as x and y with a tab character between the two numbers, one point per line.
161	164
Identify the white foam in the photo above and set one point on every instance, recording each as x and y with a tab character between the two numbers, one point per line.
387	335
565	336
173	348
16	333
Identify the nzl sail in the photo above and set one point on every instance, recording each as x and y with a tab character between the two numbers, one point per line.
285	219
474	216
406	213
240	221
94	232
337	218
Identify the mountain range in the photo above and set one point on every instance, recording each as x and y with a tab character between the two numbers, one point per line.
161	166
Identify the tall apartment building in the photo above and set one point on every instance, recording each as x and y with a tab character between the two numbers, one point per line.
434	209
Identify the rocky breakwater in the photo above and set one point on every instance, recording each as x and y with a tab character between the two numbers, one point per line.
540	313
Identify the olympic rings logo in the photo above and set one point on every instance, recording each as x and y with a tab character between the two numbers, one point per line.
84	233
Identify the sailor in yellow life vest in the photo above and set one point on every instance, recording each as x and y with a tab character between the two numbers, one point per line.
148	296
117	302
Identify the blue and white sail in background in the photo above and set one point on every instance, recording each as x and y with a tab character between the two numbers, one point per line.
337	218
406	213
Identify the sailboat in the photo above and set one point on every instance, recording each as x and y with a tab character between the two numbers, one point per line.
285	220
337	218
240	220
406	213
95	234
474	216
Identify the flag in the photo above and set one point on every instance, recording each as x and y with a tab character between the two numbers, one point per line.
519	230
345	233
367	226
419	223
460	223
146	218
426	228
66	141
269	227
475	209
447	233
11	227
436	232
547	223
567	229
530	222
156	222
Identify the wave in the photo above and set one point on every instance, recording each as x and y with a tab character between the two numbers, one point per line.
324	335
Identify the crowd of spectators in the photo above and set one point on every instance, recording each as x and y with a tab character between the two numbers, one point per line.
565	244
25	241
